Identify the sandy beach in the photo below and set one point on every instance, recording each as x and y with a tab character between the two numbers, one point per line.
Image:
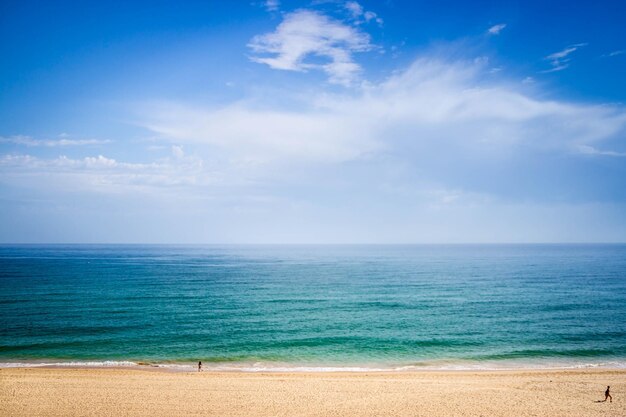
136	392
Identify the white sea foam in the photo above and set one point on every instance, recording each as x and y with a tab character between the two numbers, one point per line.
284	367
295	368
71	364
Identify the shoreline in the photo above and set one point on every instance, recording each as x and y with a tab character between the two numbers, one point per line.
307	374
274	368
143	392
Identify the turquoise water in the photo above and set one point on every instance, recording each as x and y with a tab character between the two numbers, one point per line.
325	307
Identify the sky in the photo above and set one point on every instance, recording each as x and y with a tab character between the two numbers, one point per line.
277	121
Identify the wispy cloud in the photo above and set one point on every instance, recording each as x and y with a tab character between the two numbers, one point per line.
360	15
306	35
242	133
436	149
556	68
434	111
590	150
103	174
431	103
559	60
496	29
51	143
616	53
272	5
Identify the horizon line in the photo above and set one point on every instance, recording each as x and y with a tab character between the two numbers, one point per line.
306	244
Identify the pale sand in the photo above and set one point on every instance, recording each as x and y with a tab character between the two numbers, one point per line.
128	392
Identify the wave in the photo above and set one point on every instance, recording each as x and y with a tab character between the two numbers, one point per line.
70	364
263	367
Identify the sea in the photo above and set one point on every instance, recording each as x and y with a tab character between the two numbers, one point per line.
314	308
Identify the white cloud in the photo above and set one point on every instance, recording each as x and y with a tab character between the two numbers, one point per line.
63	141
263	135
421	149
616	53
559	60
557	56
435	106
360	15
590	150
434	111
496	29
556	68
355	9
102	174
272	5
306	35
178	152
369	16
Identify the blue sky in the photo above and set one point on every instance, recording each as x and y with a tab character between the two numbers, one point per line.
312	122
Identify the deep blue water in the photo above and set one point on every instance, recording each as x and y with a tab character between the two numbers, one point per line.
372	306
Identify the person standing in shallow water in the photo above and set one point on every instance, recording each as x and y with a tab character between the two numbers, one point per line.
199	366
607	394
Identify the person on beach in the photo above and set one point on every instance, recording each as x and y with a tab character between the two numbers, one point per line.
607	394
199	366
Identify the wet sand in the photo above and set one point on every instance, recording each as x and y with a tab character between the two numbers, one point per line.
138	392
